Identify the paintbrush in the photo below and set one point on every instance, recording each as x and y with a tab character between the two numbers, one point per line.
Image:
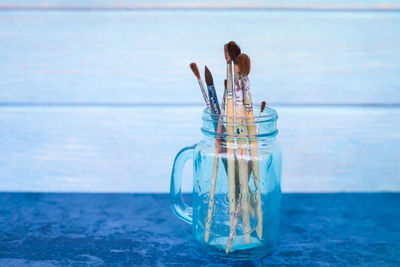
243	63
216	165
252	202
234	50
212	96
196	72
241	133
263	104
230	122
215	109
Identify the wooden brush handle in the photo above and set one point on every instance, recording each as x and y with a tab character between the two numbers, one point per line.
215	109
252	131
204	93
214	177
242	158
219	143
212	199
230	146
232	234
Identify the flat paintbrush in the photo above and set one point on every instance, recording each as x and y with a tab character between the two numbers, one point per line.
243	63
230	122
234	50
196	72
241	134
216	165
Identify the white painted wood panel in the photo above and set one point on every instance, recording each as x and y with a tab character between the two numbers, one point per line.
131	149
143	57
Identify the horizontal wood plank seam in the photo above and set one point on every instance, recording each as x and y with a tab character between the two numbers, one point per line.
383	9
103	104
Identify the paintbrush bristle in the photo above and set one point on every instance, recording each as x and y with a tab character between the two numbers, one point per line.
263	104
243	61
226	53
209	78
234	50
225	84
195	70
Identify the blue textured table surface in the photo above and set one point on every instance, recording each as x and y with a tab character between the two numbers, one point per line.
140	229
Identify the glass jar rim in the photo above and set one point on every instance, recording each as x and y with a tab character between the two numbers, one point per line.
265	123
268	114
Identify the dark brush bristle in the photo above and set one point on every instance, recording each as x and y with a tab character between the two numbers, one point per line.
225	84
209	78
234	50
195	70
243	61
263	104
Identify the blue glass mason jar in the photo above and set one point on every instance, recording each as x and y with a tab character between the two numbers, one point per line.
236	188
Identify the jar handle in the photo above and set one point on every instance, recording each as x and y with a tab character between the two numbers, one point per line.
179	207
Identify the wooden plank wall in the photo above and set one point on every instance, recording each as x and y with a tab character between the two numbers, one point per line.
98	97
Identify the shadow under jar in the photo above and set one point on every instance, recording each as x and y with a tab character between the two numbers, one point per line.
236	187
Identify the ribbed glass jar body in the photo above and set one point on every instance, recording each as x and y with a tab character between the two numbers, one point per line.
236	187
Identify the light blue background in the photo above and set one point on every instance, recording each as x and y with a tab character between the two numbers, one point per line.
98	96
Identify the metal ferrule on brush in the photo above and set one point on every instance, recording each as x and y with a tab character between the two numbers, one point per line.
247	94
238	91
213	99
229	92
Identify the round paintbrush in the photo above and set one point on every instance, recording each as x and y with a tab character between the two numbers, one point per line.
263	104
215	109
195	70
196	73
243	63
230	122
241	133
